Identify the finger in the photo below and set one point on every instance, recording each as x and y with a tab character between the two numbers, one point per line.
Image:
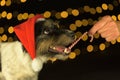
111	30
110	38
99	24
104	29
106	34
108	28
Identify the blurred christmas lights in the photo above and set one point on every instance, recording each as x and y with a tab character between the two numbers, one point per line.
75	24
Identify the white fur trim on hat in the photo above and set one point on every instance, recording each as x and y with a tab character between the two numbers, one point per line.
37	64
40	19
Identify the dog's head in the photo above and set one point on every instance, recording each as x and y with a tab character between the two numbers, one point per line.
51	40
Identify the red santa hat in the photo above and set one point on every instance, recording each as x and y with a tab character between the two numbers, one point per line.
25	33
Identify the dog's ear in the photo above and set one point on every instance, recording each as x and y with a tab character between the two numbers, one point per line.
38	28
51	23
41	24
48	23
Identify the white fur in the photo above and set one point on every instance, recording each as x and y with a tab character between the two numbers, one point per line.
16	64
40	19
37	65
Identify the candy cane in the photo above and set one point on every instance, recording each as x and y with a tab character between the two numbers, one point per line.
67	50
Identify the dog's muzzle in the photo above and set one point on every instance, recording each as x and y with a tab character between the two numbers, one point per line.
67	50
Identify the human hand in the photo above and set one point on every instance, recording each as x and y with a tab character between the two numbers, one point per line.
107	28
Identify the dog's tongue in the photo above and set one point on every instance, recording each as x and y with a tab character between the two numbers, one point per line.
25	32
59	49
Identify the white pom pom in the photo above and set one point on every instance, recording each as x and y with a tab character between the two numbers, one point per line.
37	65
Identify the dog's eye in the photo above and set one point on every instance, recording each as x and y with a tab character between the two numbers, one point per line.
46	32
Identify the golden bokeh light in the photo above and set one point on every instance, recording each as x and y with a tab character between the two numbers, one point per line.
98	9
104	6
102	46
72	27
114	17
2	3
4	14
69	10
19	17
78	23
118	39
64	14
113	42
8	2
47	14
9	16
10	39
86	8
58	15
31	15
72	55
90	21
4	37
92	10
78	34
85	38
84	22
1	30
110	7
10	29
90	48
118	17
75	12
77	51
96	35
23	1
25	16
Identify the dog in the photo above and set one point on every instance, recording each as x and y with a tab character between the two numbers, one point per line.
50	41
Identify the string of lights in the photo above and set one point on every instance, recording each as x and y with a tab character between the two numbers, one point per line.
79	23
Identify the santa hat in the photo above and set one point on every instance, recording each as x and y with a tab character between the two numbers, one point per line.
25	33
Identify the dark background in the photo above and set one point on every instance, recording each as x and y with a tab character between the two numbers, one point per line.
94	66
97	65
